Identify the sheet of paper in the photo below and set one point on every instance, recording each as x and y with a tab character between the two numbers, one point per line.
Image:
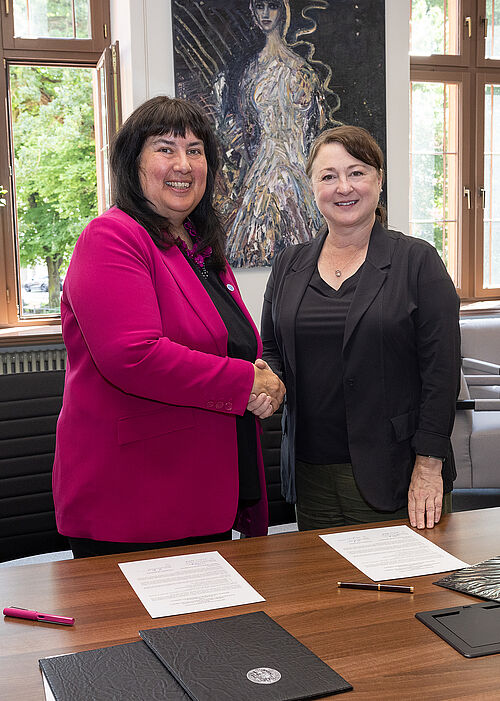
168	586
49	696
392	552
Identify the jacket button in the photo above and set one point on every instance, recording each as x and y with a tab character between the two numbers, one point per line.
210	404
219	405
350	382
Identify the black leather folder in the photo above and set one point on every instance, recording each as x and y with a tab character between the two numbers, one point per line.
242	658
473	630
129	672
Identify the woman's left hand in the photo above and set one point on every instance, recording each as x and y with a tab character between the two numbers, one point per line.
425	494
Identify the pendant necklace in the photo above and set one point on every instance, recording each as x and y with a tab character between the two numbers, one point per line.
338	271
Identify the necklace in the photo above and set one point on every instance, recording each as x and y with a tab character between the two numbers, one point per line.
338	271
196	256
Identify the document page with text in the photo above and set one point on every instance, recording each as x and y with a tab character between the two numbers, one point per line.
392	552
168	586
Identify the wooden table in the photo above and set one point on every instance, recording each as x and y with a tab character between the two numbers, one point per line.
370	638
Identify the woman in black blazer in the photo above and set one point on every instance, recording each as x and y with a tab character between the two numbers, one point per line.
362	324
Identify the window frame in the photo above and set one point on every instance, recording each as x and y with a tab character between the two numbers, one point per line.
481	61
99	27
108	111
462	79
465	49
467	68
32	52
482	78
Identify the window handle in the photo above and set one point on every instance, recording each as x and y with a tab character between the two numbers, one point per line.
484	22
7	8
467	195
482	193
468	24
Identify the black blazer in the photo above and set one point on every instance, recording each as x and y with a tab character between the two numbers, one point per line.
400	358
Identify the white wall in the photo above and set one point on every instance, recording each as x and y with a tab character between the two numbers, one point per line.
144	30
397	41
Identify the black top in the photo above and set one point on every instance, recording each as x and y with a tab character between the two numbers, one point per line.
321	419
241	344
401	360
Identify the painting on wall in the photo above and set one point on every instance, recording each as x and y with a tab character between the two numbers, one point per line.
272	75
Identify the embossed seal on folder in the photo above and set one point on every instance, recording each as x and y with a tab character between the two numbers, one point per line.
263	675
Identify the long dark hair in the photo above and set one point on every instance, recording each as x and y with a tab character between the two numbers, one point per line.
359	143
165	115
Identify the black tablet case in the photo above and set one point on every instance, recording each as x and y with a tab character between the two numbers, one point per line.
130	672
472	630
482	580
211	660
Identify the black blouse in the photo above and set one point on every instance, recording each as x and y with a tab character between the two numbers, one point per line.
242	344
321	437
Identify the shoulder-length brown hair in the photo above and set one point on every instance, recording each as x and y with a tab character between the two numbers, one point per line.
360	144
165	115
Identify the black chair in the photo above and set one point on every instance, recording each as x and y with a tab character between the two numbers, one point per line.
29	407
279	511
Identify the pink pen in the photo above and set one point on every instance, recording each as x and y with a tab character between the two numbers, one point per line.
35	616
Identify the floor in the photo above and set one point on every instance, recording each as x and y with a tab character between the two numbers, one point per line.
68	555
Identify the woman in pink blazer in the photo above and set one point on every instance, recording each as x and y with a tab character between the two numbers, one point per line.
157	441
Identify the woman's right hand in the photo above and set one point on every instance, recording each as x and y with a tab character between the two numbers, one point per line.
267	390
260	405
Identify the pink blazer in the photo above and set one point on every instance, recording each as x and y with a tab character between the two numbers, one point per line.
146	440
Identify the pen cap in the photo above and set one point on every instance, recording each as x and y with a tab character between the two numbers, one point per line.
20	613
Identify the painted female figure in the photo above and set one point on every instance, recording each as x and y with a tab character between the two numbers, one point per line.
281	107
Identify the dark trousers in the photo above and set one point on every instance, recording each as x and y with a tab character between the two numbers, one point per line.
86	547
327	496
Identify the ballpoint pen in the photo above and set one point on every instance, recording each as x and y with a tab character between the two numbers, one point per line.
17	612
376	587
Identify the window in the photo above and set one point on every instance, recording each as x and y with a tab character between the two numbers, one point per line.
455	138
52	135
55	25
60	92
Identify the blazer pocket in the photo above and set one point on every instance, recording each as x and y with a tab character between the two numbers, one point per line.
144	426
404	425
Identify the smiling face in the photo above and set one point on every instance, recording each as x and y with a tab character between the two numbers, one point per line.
346	190
173	174
267	14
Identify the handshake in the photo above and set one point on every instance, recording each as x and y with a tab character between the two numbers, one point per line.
267	391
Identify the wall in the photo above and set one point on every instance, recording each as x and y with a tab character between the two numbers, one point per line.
144	30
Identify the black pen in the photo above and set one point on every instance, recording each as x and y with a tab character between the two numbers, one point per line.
376	587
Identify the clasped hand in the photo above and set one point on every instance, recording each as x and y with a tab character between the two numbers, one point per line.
267	391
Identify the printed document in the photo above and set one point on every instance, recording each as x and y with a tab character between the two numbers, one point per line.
392	552
168	586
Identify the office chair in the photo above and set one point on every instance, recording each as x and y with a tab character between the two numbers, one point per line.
29	407
279	511
476	445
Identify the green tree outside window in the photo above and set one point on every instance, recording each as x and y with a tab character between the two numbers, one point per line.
55	165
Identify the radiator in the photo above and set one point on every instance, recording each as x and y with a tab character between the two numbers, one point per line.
15	362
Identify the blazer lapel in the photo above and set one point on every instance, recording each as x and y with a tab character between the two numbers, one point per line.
197	296
294	286
229	281
373	275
